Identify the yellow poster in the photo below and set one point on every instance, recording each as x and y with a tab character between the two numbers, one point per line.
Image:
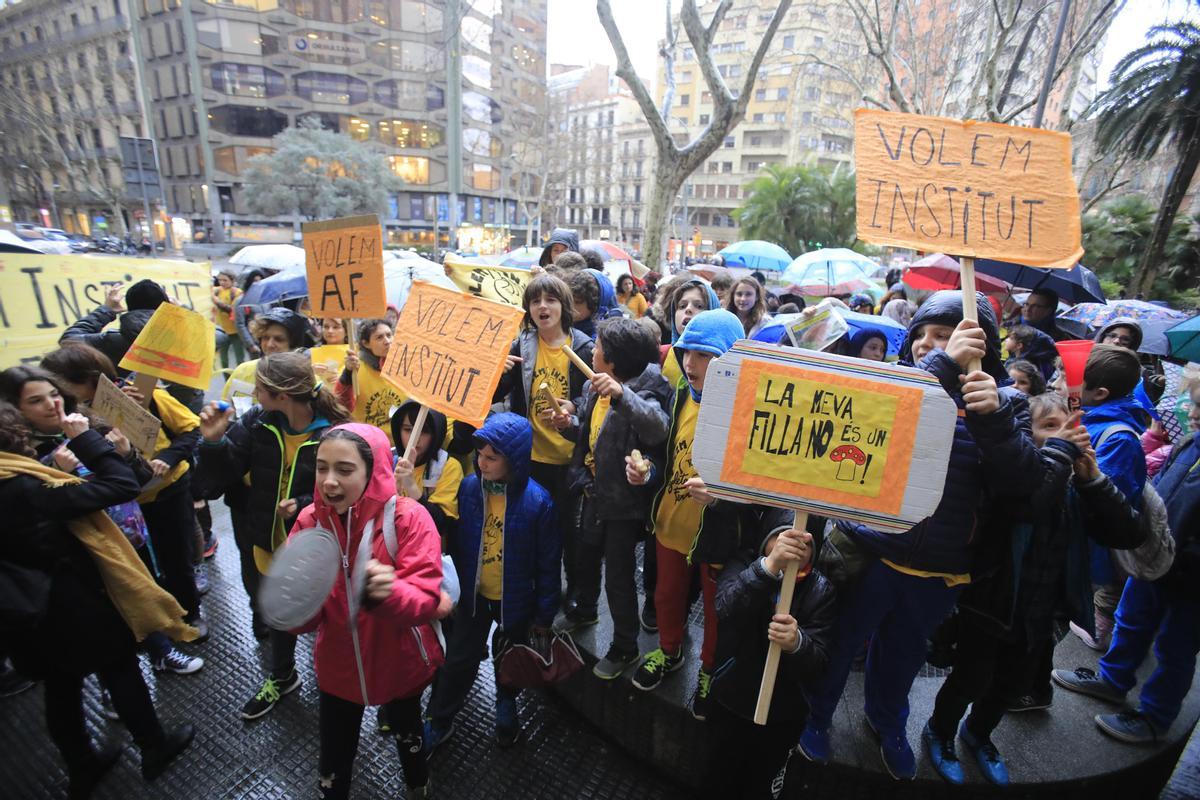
978	189
501	284
176	345
41	295
328	360
827	437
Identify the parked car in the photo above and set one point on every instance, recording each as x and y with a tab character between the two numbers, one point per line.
44	243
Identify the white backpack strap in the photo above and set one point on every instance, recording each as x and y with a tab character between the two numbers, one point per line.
389	527
1112	430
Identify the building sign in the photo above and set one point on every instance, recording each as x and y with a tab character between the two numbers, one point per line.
327	48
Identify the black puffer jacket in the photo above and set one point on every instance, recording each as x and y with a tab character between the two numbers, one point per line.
745	602
992	457
82	631
254	444
639	420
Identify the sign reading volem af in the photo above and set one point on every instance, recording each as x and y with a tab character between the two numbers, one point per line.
977	189
825	434
344	261
449	350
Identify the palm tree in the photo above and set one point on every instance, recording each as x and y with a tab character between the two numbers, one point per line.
1154	100
800	208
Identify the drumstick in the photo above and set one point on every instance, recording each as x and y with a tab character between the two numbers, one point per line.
640	463
544	390
579	363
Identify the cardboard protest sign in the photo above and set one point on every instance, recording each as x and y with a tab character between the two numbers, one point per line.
825	434
501	284
449	349
176	345
976	189
344	260
40	295
120	411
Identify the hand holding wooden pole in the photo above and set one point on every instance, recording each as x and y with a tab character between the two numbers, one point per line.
970	309
552	401
415	436
579	362
766	689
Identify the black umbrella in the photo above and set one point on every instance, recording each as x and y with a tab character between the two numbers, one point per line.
1075	285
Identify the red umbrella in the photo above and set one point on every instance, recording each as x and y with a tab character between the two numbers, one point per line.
940	271
607	250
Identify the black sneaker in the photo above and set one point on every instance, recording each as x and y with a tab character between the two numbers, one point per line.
614	664
649	617
13	682
1030	702
654	666
272	692
575	619
85	776
157	758
700	699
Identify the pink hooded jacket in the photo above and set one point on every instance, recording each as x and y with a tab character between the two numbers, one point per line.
400	649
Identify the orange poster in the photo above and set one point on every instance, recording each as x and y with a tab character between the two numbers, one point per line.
449	349
344	259
176	345
977	189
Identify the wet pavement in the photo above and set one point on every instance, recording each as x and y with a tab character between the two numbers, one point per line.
560	755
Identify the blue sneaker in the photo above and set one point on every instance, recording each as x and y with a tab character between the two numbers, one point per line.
508	726
897	755
1129	726
1086	681
986	756
943	757
814	744
435	735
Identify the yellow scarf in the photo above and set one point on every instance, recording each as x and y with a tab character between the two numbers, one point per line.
143	605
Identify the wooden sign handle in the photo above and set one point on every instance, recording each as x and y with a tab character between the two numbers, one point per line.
353	343
580	364
145	384
766	689
413	437
970	309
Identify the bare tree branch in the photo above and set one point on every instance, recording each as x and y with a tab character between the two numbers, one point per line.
626	72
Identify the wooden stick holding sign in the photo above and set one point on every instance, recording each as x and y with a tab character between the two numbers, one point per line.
822	434
582	365
418	426
966	269
766	689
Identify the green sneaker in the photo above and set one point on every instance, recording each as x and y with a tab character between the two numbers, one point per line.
654	666
700	698
272	692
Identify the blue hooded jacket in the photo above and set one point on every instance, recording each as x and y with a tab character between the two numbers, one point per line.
714	302
1041	353
992	455
606	306
1178	483
531	541
1121	458
563	236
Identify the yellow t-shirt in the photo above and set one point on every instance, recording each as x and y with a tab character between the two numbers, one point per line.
491	565
375	400
671	369
445	492
552	368
176	419
599	413
224	319
678	519
328	361
636	303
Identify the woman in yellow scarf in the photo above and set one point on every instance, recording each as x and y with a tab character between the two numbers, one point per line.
98	600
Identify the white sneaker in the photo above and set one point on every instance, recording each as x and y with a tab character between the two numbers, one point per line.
179	663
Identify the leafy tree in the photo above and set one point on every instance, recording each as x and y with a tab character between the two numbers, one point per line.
1154	101
319	174
1117	234
800	208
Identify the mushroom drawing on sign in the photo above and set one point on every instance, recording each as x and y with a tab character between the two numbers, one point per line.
849	459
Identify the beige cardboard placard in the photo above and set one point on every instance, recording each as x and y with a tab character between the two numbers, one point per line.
121	411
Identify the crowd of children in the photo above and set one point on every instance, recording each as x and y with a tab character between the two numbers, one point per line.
554	497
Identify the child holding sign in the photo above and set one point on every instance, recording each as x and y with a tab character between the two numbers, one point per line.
538	357
433	476
361	388
691	527
624	411
915	577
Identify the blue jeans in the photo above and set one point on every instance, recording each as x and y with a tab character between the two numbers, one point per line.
1149	614
898	612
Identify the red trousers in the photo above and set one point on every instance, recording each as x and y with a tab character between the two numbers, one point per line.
670	601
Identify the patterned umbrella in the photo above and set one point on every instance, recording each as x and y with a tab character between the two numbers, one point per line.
940	271
522	258
607	250
829	272
1085	318
756	254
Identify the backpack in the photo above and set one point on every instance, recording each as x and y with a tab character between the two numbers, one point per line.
450	582
1153	558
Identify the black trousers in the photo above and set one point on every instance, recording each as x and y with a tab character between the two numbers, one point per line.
340	723
171	523
243	536
748	756
553	478
615	544
130	698
466	648
282	657
988	673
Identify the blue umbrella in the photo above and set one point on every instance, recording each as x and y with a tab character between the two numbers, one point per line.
1184	340
756	254
776	330
1075	285
287	284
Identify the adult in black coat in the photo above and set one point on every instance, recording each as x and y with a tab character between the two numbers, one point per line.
81	631
747	756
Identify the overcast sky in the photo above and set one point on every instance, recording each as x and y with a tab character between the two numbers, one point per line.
575	34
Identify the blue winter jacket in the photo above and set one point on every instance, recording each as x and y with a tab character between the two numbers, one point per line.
1178	483
531	544
992	457
1120	458
606	307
